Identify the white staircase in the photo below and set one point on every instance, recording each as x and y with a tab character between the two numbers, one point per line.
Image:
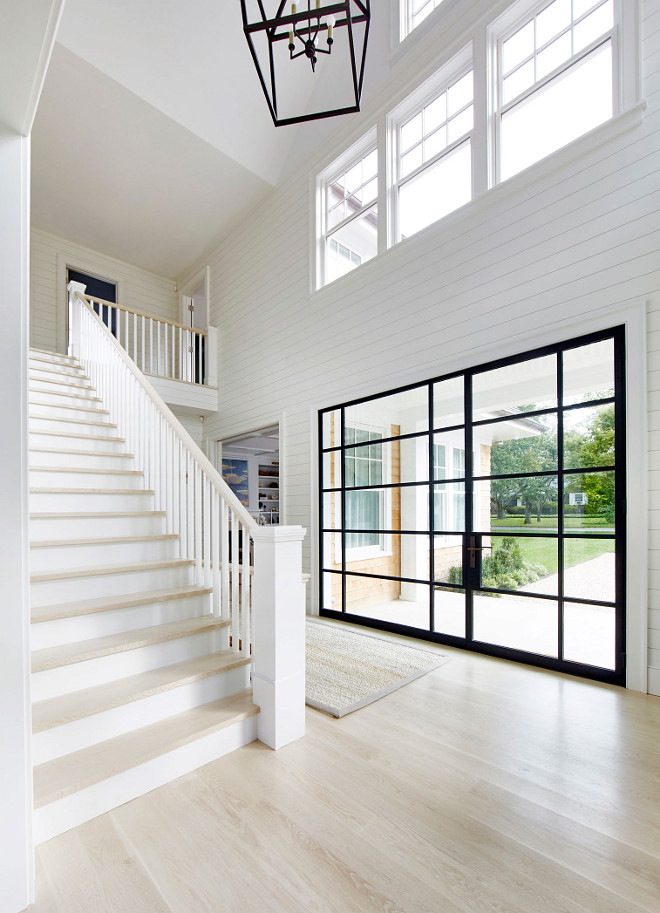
133	680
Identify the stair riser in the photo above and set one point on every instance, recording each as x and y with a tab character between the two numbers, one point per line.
65	679
100	624
61	740
91	460
100	428
51	592
58	557
44	478
96	800
60	394
92	413
86	501
56	527
57	441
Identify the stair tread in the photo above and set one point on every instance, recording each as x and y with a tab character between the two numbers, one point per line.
100	570
81	769
103	540
95	491
88	470
66	393
95	647
95	514
67	708
78	408
69	421
92	453
110	603
83	437
59	380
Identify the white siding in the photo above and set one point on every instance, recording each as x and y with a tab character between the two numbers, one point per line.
138	289
548	247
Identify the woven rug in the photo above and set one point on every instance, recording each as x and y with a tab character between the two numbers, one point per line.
346	670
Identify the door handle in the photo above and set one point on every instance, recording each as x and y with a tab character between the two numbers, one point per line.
473	549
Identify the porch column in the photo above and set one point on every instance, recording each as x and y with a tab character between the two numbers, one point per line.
279	634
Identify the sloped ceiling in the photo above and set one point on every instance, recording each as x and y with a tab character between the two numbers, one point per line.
152	134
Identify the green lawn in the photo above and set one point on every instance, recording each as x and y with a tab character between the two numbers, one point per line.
599	523
576	551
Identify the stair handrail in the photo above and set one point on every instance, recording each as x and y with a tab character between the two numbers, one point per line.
214	528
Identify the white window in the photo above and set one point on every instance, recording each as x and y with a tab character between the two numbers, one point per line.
414	12
349	211
365	510
555	78
431	133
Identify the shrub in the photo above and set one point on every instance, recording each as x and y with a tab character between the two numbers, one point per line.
505	569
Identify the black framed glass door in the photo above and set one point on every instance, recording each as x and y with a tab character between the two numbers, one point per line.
486	509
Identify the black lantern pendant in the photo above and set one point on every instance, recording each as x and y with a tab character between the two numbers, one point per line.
323	27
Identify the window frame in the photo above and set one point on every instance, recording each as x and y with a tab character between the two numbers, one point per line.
384	545
514	18
406	26
446	76
342	163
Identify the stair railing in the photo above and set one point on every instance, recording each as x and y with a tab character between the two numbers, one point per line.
215	530
159	347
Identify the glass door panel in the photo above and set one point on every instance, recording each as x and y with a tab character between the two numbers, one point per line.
486	509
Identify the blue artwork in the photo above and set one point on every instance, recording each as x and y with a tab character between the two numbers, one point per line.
235	474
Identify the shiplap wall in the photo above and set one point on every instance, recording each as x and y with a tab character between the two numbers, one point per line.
139	290
546	249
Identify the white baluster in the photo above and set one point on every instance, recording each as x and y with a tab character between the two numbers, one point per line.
224	564
198	523
166	353
190	491
245	592
207	531
142	335
235	612
215	549
151	346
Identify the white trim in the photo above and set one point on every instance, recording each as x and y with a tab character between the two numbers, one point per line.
81	265
50	33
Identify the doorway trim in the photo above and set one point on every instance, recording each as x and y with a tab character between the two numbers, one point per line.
81	265
202	276
632	315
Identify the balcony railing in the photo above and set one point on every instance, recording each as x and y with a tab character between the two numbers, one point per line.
161	348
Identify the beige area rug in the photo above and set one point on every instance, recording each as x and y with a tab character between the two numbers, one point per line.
346	670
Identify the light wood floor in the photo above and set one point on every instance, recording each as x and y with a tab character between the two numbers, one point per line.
483	787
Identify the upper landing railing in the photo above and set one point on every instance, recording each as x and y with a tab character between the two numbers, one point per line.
161	348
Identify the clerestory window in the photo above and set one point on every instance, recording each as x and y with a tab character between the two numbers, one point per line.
555	79
349	211
433	152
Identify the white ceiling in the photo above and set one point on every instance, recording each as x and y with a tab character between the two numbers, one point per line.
152	134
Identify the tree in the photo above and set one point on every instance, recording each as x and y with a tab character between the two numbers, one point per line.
536	453
590	446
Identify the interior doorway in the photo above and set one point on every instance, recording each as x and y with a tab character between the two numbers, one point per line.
96	287
250	464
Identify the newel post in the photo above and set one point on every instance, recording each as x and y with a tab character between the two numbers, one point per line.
278	599
73	344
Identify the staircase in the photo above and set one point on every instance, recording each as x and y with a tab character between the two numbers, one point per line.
133	679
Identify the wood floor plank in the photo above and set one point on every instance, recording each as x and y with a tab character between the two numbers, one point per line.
482	787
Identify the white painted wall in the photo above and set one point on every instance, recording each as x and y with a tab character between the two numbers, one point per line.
50	255
15	766
541	258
